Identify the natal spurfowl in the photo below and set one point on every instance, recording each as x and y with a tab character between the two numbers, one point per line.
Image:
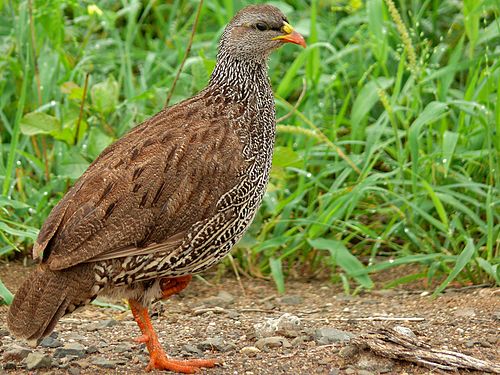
167	200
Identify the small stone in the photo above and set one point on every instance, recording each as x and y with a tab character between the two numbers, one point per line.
73	336
92	349
74	371
350	371
375	364
103	344
250	351
4	332
37	360
228	347
334	371
83	363
50	342
348	351
273	342
299	340
70	349
122	348
9	365
101	325
104	363
329	335
15	353
192	349
223	298
365	372
470	343
405	331
465	312
289	299
215	343
287	325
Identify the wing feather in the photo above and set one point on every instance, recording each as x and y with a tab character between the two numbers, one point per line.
144	192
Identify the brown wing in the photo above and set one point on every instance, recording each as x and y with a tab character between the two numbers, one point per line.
146	190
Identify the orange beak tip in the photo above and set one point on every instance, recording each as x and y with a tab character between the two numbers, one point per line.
295	38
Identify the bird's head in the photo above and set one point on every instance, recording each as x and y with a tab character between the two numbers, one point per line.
256	31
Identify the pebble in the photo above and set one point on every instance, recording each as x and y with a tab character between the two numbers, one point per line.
103	362
215	343
287	324
4	332
297	341
122	348
9	365
70	349
222	299
374	364
465	312
50	342
273	342
250	351
289	299
405	331
101	325
37	360
74	371
92	349
348	351
15	353
192	349
330	335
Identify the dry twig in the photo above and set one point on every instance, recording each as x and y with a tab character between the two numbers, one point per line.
398	344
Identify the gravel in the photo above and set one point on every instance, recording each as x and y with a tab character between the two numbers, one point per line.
38	360
72	349
99	340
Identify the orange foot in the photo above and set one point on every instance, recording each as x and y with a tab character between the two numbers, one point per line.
159	361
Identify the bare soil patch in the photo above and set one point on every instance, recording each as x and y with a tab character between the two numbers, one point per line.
219	321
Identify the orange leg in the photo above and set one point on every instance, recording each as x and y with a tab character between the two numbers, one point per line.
158	359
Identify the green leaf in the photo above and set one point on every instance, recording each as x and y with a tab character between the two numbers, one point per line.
104	95
437	203
286	157
449	143
432	112
31	234
5	295
462	260
97	142
39	123
277	273
492	270
344	259
72	164
364	102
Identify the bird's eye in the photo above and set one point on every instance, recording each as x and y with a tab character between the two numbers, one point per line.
261	26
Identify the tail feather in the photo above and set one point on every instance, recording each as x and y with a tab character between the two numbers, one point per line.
45	296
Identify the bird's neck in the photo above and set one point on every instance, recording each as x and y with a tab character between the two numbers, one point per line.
238	79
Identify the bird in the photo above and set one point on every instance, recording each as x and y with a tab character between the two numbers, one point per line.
167	200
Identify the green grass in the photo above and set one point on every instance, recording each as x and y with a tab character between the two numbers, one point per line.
391	157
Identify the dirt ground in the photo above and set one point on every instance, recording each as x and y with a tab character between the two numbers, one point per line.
223	321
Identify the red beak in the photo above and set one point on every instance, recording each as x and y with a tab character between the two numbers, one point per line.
294	37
